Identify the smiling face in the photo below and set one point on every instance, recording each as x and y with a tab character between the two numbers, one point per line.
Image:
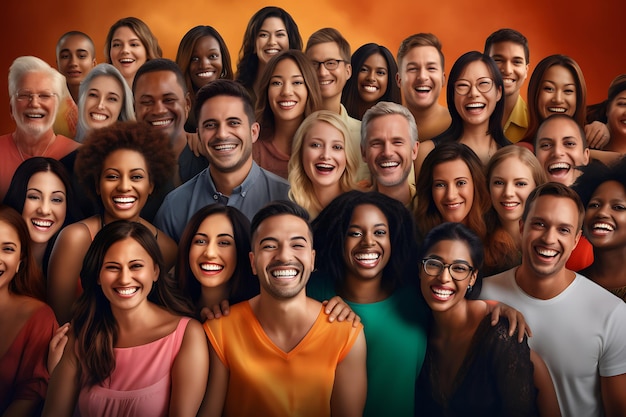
75	59
124	185
103	102
557	92
226	134
616	117
605	216
271	39
559	149
331	82
367	246
287	93
10	253
476	107
441	292
127	275
127	52
549	235
34	115
324	155
421	77
213	252
161	102
206	61
510	183
45	206
511	61
389	151
282	256
453	190
373	78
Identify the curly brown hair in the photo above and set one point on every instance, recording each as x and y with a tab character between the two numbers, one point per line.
153	145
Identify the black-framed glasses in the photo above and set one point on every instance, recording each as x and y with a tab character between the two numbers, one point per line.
43	97
459	271
484	85
329	64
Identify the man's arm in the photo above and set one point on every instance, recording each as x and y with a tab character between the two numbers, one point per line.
350	388
613	389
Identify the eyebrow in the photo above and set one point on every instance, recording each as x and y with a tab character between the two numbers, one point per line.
9	243
41	192
218	235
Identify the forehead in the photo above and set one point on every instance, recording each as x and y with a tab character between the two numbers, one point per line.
558	73
216	223
157	83
556	209
45	180
475	69
422	55
394	125
286	66
324	51
222	108
282	227
35	80
452	169
558	128
273	23
74	42
507	49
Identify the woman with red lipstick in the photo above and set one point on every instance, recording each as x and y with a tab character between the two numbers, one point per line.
475	96
512	173
131	351
121	166
26	323
288	92
202	57
374	81
41	191
323	162
472	368
213	263
603	192
128	45
269	31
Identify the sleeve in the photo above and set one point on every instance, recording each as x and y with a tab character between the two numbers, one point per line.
214	331
513	372
165	219
612	360
31	381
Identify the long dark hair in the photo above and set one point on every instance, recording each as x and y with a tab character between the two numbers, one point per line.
331	226
242	285
455	131
350	97
93	322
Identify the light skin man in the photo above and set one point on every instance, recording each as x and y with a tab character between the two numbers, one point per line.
421	78
283	258
76	56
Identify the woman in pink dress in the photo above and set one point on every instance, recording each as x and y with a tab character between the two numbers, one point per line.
130	352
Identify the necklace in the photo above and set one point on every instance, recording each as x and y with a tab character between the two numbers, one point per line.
42	154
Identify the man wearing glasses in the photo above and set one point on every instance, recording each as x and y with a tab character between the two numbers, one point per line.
35	91
329	53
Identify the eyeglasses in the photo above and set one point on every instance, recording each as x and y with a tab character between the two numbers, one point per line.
330	64
458	270
484	85
42	97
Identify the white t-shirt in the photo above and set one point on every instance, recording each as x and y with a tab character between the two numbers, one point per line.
580	334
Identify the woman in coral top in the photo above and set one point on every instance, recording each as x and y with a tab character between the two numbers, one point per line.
130	352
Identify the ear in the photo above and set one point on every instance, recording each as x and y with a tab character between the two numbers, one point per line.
255	129
398	79
586	156
151	188
251	256
18	267
499	94
363	156
157	271
472	279
312	259
578	235
414	151
348	70
94	63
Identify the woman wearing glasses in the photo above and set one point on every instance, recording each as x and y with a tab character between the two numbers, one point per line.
476	104
471	367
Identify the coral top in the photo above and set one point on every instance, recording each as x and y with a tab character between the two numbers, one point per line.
140	383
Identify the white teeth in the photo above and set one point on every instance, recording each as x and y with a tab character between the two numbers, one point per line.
510	204
98	117
367	256
324	166
559	165
326	82
423	89
127	61
161	122
370	88
272	51
604	226
508	81
227	147
453	205
475	105
127	291
443	293
35	115
547	252
284	273
287	103
556	109
124	200
207	74
42	223
211	267
389	164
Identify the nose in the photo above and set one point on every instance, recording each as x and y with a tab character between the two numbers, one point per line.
321	70
159	107
508	189
211	249
124	183
445	275
473	92
283	254
286	89
387	149
101	102
451	192
325	153
271	40
370	75
506	68
44	207
557	97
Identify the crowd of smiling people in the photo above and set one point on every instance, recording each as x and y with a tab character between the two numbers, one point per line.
136	194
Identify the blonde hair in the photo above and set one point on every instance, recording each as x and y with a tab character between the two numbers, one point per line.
302	190
524	155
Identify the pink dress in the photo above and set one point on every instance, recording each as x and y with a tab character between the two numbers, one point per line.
141	382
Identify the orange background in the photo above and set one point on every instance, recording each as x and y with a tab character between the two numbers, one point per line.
592	32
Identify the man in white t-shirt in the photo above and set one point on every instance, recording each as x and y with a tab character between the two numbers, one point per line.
579	328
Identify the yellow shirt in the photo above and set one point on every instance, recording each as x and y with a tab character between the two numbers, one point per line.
517	124
266	381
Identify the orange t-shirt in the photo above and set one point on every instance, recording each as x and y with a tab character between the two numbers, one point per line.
266	381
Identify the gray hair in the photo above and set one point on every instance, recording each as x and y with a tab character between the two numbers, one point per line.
383	108
26	64
103	70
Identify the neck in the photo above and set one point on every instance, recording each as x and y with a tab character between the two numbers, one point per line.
431	121
400	192
327	194
363	291
39	250
33	145
608	267
332	104
543	287
512	228
212	296
509	104
74	91
284	132
280	315
452	323
226	182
